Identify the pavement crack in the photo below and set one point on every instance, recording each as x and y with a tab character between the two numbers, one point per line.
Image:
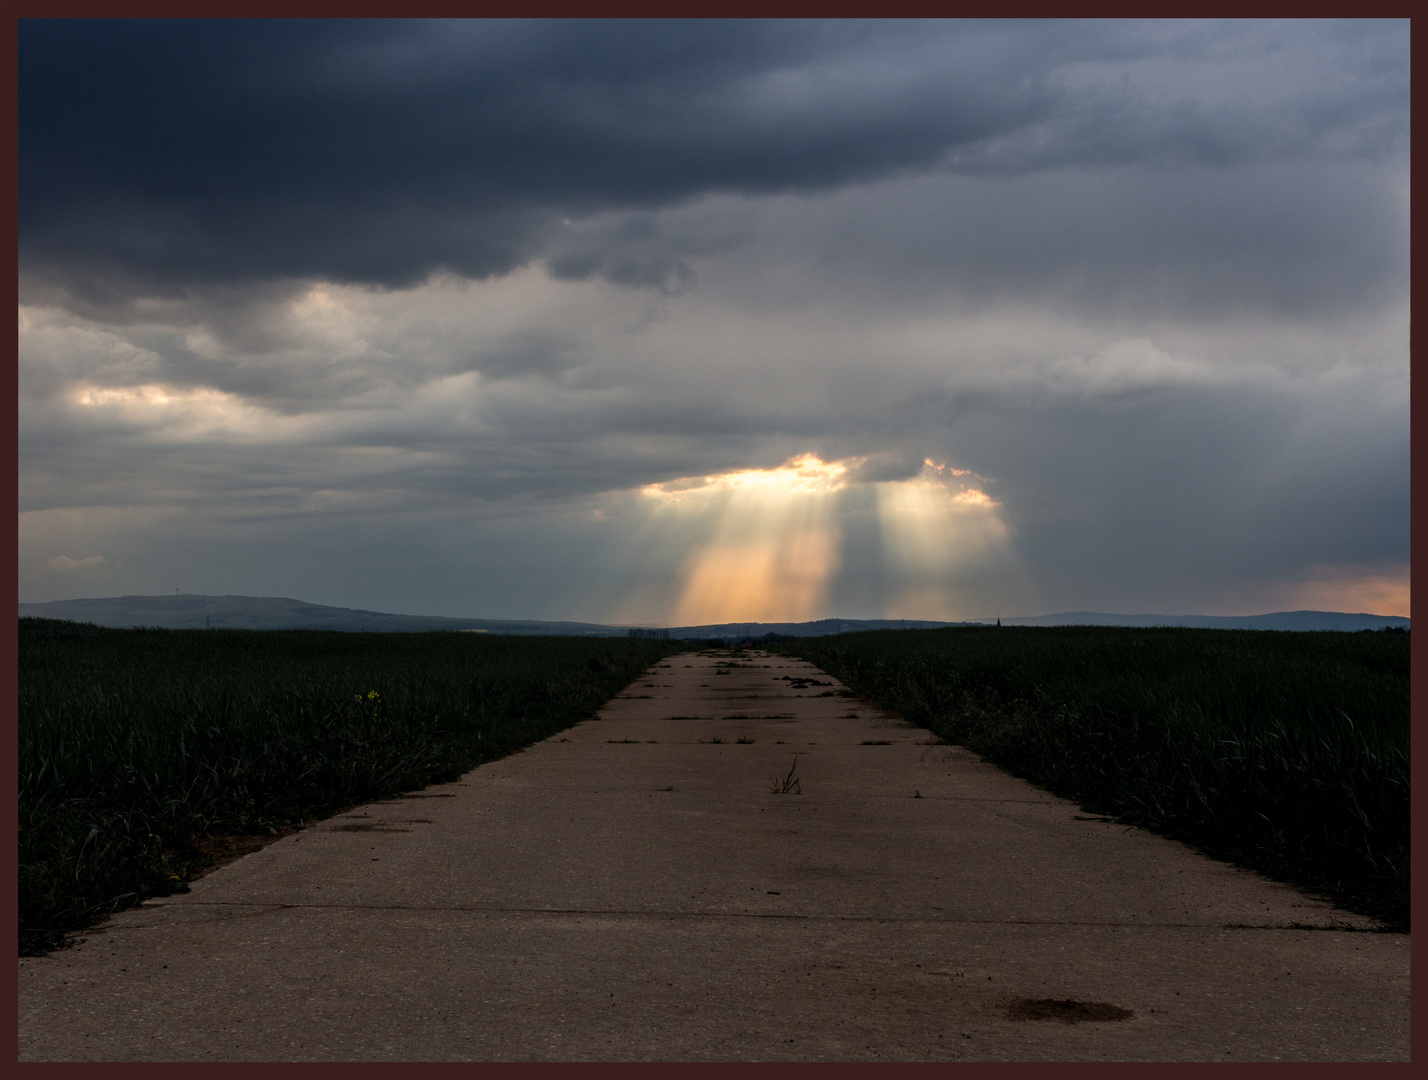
495	909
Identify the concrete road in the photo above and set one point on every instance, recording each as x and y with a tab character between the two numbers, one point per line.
726	864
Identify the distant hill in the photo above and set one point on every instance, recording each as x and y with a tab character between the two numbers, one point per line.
189	611
1278	620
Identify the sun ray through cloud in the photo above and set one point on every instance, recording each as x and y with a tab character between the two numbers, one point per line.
772	544
771	539
936	525
677	343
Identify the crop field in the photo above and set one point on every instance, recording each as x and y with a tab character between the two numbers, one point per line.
137	745
1283	752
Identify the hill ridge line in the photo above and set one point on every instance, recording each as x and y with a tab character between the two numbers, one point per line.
234	611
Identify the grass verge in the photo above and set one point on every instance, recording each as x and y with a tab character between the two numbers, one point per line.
1283	752
136	745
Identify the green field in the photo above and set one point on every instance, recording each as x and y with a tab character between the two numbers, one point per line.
135	744
1284	752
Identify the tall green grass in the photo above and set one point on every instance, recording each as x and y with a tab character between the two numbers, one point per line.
133	744
1283	752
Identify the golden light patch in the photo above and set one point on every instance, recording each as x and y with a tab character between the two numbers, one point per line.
806	475
128	396
771	547
771	543
934	528
172	412
973	497
945	469
772	579
1347	589
319	297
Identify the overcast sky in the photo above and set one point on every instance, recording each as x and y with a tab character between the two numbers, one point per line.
688	321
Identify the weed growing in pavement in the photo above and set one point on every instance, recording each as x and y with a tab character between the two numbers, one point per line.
788	784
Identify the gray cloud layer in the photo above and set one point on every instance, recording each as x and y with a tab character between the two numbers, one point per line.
192	151
312	298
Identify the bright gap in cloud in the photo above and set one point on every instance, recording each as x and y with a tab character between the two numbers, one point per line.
771	540
935	529
184	414
806	475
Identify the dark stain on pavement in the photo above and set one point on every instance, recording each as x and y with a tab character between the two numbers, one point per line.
379	826
1066	1010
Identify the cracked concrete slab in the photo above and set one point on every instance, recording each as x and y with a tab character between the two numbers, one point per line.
637	888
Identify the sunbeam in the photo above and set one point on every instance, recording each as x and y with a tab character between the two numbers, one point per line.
772	545
770	541
936	527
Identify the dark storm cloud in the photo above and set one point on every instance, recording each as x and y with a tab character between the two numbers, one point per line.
1199	241
406	314
169	153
